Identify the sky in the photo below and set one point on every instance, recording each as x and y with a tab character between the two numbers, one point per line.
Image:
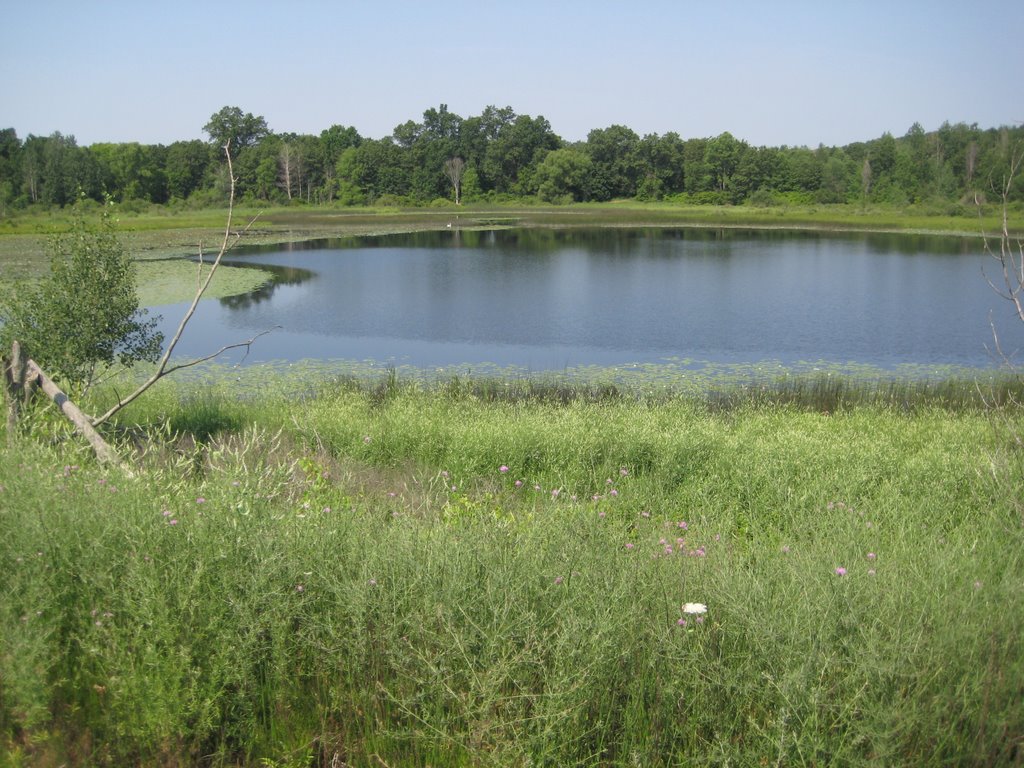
771	73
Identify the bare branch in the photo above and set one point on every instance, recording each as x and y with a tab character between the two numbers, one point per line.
1011	252
238	345
229	239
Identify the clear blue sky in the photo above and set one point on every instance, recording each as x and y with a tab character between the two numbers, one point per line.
773	73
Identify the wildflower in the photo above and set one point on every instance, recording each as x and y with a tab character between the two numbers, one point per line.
613	493
558	580
699	620
300	588
200	500
681	622
554	493
172	522
785	549
699	552
629	545
872	555
694	608
519	483
645	513
503	469
683	525
623	472
668	549
372	582
840	571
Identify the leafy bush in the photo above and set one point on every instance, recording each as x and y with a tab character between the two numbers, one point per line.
86	313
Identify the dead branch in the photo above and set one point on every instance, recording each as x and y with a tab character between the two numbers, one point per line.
1010	258
163	366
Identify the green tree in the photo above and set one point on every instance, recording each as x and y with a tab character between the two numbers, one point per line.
186	164
563	175
86	313
231	127
10	168
724	153
131	171
617	165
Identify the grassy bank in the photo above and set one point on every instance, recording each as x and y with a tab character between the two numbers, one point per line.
338	572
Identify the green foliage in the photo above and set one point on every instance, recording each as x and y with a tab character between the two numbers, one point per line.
503	152
563	174
85	314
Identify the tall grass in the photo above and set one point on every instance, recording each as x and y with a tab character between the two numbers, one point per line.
408	575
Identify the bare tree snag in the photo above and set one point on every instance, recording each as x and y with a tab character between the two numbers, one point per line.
163	367
103	451
1010	258
454	168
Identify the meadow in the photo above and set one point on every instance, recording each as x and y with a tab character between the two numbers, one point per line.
374	571
311	568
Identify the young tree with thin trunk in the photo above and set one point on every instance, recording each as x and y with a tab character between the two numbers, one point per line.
22	375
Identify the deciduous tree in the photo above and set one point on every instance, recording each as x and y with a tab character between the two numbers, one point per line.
86	314
230	127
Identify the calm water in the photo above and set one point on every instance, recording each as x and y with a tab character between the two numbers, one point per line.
550	299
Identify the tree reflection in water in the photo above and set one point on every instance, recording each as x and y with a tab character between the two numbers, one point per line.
279	276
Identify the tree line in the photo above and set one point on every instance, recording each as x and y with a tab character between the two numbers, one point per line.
499	156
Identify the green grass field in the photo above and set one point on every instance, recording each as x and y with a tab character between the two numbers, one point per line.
331	571
312	567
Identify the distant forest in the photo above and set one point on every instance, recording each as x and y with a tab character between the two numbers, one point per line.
503	156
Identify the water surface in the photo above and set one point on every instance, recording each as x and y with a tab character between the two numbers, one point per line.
553	299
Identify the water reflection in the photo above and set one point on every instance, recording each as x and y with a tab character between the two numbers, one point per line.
279	276
550	298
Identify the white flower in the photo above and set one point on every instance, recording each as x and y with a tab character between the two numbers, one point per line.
694	608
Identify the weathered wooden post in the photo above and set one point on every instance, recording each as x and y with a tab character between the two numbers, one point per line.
14	387
74	414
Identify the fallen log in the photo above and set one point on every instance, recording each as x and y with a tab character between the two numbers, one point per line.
74	414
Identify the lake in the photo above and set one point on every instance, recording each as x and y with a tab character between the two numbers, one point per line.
550	299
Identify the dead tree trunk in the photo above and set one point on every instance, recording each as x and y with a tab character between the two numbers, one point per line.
103	451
